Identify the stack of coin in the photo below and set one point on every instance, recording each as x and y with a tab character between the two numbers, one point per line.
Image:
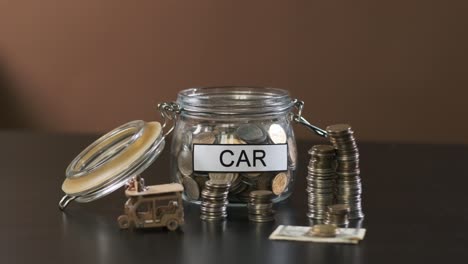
323	231
260	206
320	180
214	200
349	188
337	215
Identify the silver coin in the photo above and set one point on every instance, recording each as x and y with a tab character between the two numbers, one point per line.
214	204
230	139
204	138
339	129
251	133
229	177
315	197
315	215
292	149
320	190
316	163
184	162
213	210
261	194
343	141
208	218
277	134
214	200
214	193
251	175
263	182
191	188
317	187
322	150
238	187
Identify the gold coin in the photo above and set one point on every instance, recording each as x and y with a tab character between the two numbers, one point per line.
280	182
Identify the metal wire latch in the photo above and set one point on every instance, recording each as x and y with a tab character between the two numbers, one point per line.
301	120
169	112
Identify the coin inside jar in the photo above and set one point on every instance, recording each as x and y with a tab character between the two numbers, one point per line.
251	133
263	181
227	177
191	188
280	182
230	139
292	151
277	134
251	175
185	162
204	138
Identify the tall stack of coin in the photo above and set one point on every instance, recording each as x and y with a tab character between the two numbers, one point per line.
320	180
260	206
214	200
337	214
349	187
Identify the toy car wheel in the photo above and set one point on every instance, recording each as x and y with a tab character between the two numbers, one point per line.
123	221
172	224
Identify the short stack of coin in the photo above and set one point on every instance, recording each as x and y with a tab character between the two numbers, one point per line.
349	187
320	180
260	206
337	215
323	230
214	200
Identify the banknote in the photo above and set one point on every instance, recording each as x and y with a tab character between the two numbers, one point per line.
300	233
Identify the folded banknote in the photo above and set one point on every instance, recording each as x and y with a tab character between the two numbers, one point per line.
300	233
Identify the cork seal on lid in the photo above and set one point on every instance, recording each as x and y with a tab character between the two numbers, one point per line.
109	162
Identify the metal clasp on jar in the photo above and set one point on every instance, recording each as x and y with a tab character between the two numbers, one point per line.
169	112
301	120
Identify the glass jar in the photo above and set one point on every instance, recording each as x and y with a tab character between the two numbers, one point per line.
242	135
239	134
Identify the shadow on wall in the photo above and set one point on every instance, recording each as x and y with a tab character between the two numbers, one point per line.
11	114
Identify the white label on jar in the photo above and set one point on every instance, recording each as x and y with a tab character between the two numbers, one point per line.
240	158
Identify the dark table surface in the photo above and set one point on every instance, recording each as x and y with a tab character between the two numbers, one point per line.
414	199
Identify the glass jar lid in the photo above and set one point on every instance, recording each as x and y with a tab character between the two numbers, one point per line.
109	162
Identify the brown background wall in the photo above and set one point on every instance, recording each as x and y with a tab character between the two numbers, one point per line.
396	70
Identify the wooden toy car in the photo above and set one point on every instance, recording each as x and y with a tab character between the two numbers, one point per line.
153	206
